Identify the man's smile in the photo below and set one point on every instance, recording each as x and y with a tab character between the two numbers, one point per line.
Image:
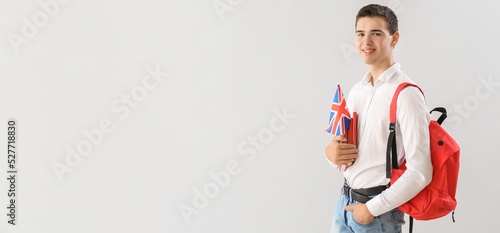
368	51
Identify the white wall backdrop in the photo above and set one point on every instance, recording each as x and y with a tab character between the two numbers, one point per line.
208	116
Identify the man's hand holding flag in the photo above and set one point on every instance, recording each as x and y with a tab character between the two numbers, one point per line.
340	118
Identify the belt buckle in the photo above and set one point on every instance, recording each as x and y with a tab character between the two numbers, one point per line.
347	191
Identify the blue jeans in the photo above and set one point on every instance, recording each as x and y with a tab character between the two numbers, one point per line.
343	221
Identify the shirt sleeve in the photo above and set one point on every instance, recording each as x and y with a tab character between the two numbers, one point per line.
333	165
413	121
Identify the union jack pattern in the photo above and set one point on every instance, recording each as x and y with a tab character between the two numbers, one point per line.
339	116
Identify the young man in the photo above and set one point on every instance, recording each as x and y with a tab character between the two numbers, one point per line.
367	204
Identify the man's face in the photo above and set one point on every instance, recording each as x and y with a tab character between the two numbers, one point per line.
374	42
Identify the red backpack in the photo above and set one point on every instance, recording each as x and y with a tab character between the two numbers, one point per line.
438	198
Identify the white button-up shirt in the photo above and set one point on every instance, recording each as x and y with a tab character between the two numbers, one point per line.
372	104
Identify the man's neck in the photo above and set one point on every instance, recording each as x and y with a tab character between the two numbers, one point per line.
378	69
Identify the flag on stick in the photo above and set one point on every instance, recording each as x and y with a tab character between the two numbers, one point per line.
339	115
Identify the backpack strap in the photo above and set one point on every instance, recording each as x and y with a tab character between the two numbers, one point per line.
443	114
411	224
391	143
394	101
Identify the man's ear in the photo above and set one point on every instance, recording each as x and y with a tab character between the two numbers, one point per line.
395	39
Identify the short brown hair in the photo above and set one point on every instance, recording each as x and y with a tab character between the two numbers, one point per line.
374	10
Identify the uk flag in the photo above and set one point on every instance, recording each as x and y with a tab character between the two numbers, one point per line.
339	116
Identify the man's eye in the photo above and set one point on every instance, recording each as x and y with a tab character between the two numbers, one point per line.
361	34
376	34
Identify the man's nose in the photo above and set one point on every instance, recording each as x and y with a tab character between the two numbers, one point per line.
367	40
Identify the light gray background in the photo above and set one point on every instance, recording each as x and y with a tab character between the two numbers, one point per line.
227	74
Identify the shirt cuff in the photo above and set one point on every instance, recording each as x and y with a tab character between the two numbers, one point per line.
333	165
375	207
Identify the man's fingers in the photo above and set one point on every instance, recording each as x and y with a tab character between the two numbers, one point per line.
350	207
346	157
344	162
348	154
341	153
339	138
349	151
345	146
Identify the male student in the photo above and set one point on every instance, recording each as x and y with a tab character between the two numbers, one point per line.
367	204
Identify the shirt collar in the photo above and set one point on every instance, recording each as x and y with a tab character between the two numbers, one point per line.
384	77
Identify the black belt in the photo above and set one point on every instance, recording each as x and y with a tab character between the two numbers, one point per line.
362	195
